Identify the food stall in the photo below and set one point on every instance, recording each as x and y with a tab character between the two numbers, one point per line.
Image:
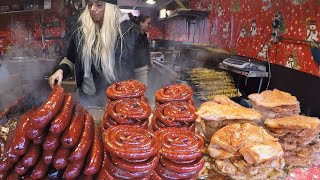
231	93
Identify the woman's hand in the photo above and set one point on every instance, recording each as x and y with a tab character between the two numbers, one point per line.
57	76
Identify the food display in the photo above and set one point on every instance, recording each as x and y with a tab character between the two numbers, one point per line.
126	89
126	111
175	92
299	137
211	83
131	153
59	138
181	156
275	104
221	111
246	151
174	114
59	134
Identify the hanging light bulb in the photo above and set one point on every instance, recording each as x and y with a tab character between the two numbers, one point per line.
150	2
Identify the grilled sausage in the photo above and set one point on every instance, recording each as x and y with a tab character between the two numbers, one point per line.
59	124
51	142
43	115
32	155
20	169
85	142
95	156
20	140
71	135
61	158
73	170
47	156
40	170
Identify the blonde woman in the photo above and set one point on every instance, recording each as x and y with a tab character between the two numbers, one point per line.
102	50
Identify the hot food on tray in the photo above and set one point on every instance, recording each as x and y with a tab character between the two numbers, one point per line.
246	151
221	111
59	134
275	104
60	137
299	137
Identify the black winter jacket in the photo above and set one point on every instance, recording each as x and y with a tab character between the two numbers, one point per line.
125	61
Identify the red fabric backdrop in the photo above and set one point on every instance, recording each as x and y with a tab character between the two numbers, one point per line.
227	19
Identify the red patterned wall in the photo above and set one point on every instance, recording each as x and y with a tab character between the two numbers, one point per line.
230	26
23	31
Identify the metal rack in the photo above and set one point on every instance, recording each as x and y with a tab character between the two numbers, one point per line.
247	74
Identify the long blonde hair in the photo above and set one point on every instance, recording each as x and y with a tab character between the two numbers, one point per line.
98	44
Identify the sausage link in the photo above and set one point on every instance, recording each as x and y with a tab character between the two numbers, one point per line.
49	109
47	157
51	142
5	165
95	156
20	140
32	155
13	158
84	177
39	140
61	158
73	170
32	132
13	176
3	175
85	142
71	135
20	169
40	170
60	123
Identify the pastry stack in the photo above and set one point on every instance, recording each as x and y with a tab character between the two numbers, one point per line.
275	104
221	111
246	151
181	156
132	153
126	104
174	108
299	137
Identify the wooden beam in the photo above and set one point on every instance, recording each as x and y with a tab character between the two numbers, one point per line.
180	4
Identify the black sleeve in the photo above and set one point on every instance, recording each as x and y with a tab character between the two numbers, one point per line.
71	56
141	56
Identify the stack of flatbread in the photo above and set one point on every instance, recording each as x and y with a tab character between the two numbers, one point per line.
299	138
275	104
221	111
246	151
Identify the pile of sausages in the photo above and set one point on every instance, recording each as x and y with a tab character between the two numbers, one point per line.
174	108
134	153
131	153
60	134
126	89
181	156
126	104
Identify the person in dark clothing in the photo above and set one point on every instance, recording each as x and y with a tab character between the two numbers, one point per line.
103	50
144	22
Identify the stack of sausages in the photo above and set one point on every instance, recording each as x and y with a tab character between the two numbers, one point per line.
127	111
174	114
60	134
181	156
174	108
175	92
126	105
126	89
131	153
